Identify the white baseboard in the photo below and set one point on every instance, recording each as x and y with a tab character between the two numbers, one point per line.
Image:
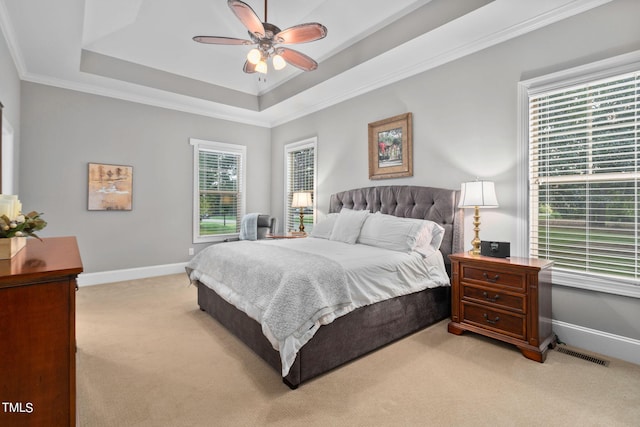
598	341
89	279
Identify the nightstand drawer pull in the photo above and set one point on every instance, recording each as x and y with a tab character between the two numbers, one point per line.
492	322
493	279
491	299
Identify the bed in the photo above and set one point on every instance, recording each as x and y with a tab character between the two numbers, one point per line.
349	330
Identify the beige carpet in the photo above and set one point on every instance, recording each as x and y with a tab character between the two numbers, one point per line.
147	356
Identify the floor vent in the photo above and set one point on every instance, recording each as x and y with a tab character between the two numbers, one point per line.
582	356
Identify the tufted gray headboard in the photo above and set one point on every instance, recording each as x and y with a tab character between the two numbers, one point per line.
435	204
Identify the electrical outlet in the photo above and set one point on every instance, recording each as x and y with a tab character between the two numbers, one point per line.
190	251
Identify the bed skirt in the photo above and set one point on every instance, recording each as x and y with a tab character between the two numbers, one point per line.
348	337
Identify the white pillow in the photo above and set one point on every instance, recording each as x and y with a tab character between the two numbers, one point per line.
322	230
430	238
348	225
401	234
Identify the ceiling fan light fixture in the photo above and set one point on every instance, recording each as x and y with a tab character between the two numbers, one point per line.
254	56
261	67
266	37
278	62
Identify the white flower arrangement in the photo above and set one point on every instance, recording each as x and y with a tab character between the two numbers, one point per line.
13	223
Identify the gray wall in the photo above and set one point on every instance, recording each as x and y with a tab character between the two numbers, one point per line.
465	126
63	130
10	98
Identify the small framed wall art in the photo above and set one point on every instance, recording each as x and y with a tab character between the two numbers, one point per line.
110	187
391	147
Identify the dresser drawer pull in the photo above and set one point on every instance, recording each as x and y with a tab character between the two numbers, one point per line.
491	299
490	321
493	279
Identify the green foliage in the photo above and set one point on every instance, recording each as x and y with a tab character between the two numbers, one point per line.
546	211
216	225
22	226
594	250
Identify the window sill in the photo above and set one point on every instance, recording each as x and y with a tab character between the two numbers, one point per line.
595	283
216	238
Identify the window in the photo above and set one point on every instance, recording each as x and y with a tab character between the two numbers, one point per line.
584	177
219	190
300	164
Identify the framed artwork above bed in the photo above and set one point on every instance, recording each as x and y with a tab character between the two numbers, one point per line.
391	147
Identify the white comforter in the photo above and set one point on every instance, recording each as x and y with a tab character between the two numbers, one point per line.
372	274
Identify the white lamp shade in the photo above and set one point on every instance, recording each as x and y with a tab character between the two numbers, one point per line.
478	193
254	56
261	67
278	62
301	200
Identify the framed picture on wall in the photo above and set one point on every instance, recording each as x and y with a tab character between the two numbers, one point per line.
110	187
391	147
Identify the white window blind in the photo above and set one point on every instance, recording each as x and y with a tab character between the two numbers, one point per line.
301	177
584	174
219	190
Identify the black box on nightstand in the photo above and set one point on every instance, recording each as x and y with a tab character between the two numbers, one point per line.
495	249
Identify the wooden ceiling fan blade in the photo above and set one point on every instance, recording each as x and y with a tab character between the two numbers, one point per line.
249	68
298	59
221	40
302	33
247	16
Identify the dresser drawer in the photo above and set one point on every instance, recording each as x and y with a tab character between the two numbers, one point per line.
494	277
500	321
491	296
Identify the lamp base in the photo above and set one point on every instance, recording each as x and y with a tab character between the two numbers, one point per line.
475	243
301	228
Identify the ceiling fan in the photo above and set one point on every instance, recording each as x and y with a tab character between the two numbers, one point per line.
268	37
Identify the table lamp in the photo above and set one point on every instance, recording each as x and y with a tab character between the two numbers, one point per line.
301	200
477	194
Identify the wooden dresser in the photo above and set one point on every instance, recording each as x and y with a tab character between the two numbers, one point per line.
37	334
508	299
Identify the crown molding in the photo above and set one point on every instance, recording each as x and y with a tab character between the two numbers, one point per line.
394	75
9	35
160	100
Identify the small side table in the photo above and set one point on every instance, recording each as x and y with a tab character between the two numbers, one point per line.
508	299
294	235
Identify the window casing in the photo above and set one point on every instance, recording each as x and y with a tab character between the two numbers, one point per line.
581	130
218	190
8	146
301	175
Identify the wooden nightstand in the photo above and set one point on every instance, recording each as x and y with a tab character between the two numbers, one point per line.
508	299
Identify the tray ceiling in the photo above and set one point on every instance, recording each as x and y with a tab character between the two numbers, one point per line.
142	51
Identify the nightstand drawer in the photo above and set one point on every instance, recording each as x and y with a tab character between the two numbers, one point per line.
494	277
500	321
495	297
